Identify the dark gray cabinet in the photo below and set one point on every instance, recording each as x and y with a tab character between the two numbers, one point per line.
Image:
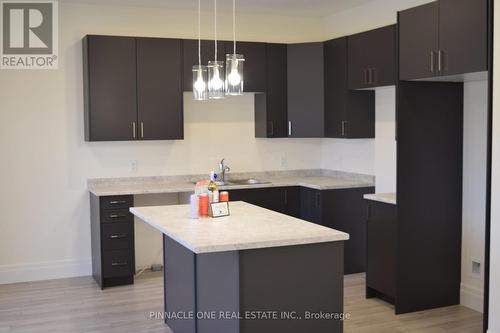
284	200
306	90
348	113
372	58
429	155
110	88
443	38
271	107
381	251
159	89
112	236
132	88
344	210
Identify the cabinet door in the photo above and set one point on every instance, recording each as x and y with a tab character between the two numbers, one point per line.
276	93
110	88
335	87
311	205
190	57
278	199
359	122
372	58
418	42
381	248
159	88
463	33
254	67
306	97
345	210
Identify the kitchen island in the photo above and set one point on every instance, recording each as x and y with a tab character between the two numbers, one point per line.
253	271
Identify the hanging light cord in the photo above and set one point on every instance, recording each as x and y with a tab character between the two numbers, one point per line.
199	32
234	26
215	27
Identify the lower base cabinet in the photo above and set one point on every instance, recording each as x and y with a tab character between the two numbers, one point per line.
344	210
285	200
112	235
381	251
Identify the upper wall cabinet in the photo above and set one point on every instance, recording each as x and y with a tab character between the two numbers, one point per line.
443	38
133	88
306	90
372	58
271	107
159	89
110	88
254	68
348	113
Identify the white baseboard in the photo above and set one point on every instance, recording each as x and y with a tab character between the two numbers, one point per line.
472	297
45	271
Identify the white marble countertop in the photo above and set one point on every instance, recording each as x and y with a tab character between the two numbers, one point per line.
389	198
248	227
316	179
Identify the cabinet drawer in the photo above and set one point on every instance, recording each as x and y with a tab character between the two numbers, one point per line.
117	215
118	263
117	236
117	202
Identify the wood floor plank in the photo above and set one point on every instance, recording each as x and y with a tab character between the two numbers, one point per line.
77	305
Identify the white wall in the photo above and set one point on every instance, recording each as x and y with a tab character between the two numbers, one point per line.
494	318
45	230
474	191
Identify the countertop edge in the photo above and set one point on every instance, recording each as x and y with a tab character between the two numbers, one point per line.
381	197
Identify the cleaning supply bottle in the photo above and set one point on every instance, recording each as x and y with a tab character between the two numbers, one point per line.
213	188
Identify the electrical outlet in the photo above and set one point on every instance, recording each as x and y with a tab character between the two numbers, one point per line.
134	166
476	268
284	162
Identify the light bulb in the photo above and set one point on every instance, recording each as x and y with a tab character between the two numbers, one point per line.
199	85
216	82
234	77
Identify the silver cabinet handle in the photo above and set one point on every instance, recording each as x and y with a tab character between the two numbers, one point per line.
271	134
366	76
117	236
134	130
343	127
289	128
116	216
117	202
142	130
124	263
432	61
440	55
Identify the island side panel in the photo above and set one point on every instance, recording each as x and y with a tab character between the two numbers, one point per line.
217	292
179	285
302	278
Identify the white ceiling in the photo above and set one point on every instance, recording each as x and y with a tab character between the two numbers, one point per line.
304	8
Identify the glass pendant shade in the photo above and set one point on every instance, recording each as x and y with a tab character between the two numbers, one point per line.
234	74
216	79
200	87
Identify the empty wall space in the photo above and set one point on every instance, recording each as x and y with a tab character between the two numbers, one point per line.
385	139
474	192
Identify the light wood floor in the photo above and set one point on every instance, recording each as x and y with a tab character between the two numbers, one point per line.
78	305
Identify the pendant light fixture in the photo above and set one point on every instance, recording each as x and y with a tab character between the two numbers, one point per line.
200	89
215	68
234	65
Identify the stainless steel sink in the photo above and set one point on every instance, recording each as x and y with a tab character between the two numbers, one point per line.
246	182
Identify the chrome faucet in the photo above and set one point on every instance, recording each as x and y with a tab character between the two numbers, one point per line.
223	169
